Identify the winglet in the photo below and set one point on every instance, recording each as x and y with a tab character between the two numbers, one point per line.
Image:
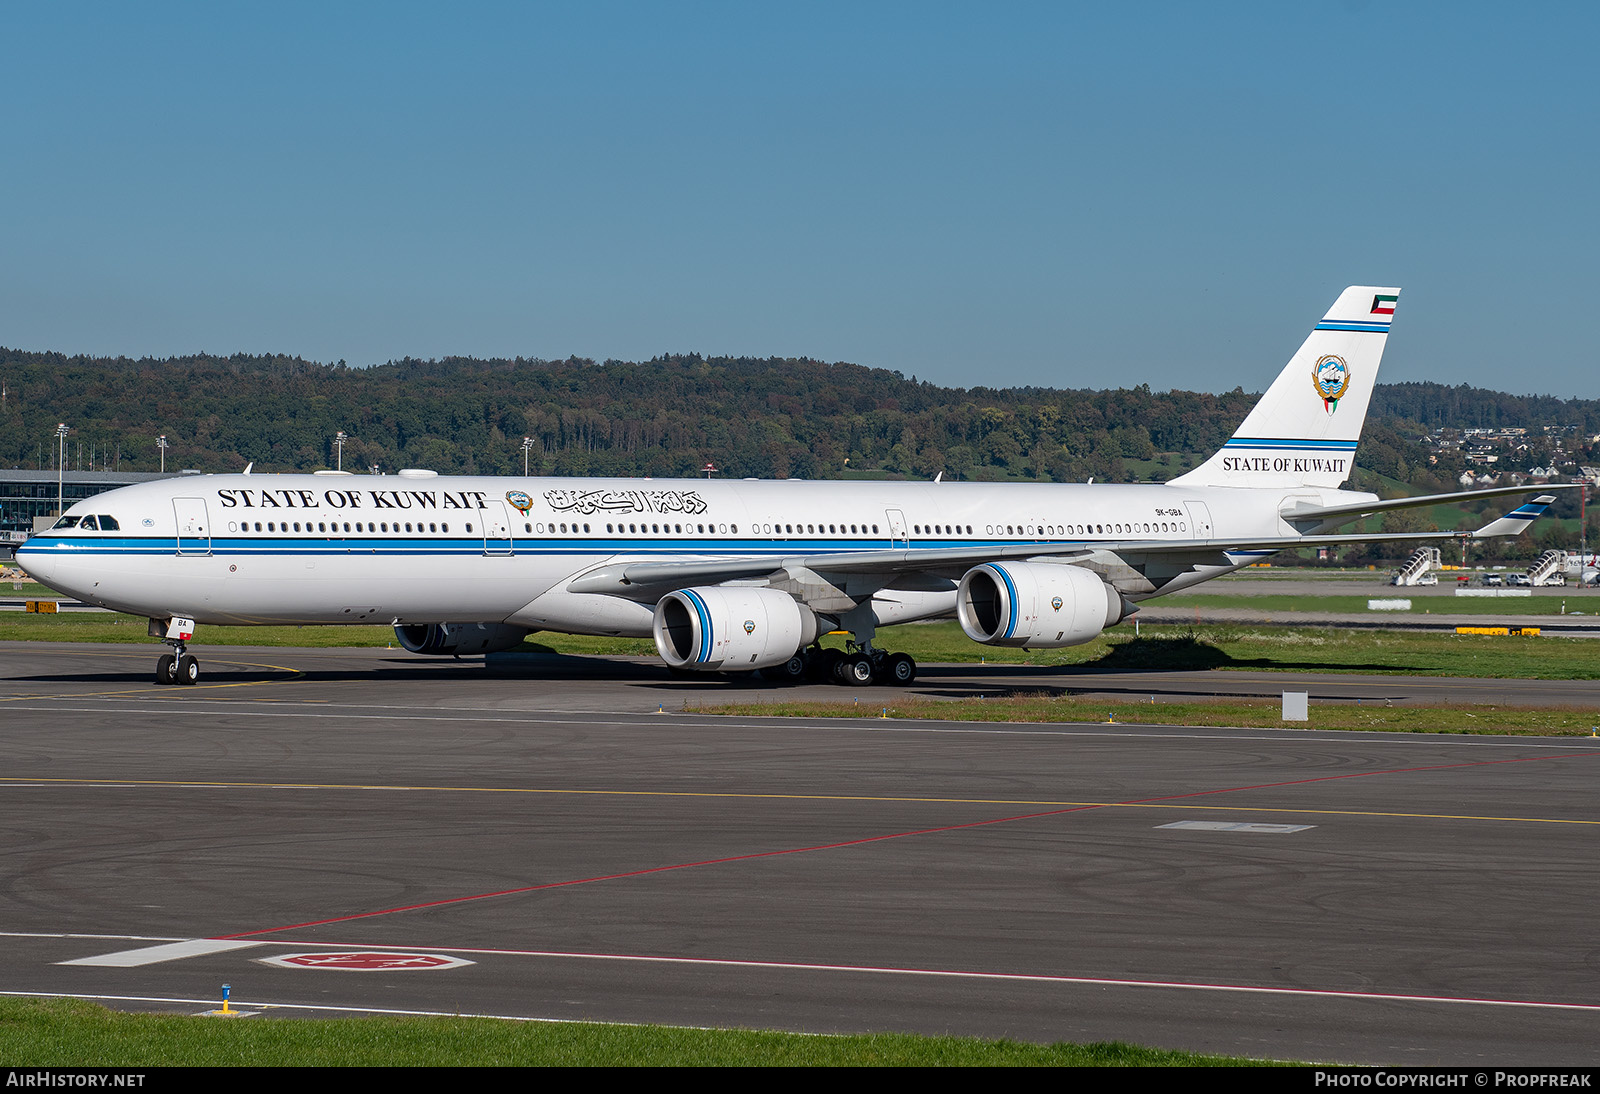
1516	522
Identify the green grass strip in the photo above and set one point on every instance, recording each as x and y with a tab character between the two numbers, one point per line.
73	1033
1241	714
1580	603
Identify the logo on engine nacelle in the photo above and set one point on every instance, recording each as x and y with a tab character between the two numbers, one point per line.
1055	602
749	626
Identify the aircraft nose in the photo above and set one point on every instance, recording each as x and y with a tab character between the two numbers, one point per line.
37	564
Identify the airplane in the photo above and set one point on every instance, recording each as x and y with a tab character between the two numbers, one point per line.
738	576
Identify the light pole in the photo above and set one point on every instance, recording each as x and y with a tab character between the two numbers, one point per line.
338	443
527	446
61	455
161	443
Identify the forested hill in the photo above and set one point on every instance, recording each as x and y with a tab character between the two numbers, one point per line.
668	416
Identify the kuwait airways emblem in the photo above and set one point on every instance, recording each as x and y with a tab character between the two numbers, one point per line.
520	501
1331	376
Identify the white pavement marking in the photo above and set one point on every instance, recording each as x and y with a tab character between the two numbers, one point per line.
1236	826
705	962
154	955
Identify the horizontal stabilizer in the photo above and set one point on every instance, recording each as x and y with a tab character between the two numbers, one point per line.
1341	514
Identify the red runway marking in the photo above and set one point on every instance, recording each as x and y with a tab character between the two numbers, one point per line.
658	870
874	839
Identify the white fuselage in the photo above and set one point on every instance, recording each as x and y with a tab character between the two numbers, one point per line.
259	549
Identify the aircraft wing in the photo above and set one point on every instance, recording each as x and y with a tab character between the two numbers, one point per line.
634	578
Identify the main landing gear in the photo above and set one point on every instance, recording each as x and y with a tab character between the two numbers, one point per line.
179	667
857	666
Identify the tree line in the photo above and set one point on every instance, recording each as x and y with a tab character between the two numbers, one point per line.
669	416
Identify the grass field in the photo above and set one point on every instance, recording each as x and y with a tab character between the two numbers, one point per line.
1581	603
72	1033
27	589
1242	713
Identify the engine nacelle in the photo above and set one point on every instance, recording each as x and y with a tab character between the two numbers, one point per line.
1038	605
731	628
459	638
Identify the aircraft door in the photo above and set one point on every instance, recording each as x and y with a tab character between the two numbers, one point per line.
497	529
1199	520
897	528
194	527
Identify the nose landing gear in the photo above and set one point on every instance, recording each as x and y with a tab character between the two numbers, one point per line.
181	667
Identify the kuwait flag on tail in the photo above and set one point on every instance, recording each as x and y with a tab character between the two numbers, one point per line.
1383	305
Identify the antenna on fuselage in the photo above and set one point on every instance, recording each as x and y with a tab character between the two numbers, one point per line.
248	466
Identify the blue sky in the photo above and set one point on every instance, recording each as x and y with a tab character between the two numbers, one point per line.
1000	194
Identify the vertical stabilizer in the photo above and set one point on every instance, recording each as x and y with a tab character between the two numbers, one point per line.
1304	430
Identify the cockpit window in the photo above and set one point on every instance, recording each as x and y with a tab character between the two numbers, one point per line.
90	524
109	524
67	522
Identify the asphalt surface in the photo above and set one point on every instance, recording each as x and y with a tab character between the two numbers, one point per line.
597	853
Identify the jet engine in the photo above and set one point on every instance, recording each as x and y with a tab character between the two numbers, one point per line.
731	628
459	638
1038	605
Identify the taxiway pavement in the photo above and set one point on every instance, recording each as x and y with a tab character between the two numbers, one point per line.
595	852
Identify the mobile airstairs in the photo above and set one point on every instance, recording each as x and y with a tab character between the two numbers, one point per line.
1418	569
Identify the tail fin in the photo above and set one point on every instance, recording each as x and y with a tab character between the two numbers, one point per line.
1304	430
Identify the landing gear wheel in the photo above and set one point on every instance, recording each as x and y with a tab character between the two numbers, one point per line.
188	669
791	671
825	665
166	669
900	669
857	670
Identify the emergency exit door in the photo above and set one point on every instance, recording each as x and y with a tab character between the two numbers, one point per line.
194	527
496	529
